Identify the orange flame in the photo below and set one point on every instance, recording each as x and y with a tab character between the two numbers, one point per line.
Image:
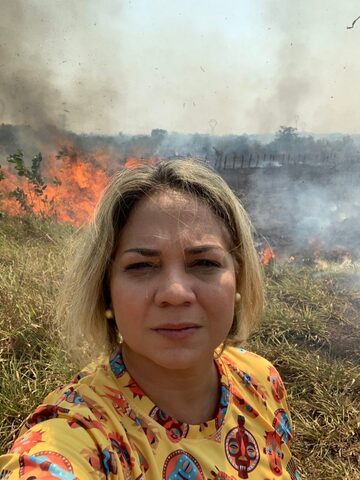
268	256
72	200
79	183
134	162
9	184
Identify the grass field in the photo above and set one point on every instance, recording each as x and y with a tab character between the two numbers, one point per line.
311	332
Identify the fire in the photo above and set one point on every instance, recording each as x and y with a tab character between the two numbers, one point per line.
268	256
72	199
134	162
9	184
79	181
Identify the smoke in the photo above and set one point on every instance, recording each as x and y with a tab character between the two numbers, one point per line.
292	84
313	78
304	207
134	66
307	207
28	93
47	52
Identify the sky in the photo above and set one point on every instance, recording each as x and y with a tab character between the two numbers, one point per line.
228	67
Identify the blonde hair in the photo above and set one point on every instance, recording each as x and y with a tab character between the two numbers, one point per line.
84	295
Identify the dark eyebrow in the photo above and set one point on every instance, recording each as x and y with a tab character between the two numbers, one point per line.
201	249
150	252
146	252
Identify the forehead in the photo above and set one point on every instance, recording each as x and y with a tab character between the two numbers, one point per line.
173	216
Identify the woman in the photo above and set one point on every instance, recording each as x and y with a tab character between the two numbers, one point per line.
167	281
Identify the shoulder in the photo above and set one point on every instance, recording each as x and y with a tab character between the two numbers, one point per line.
252	370
90	379
91	374
80	402
244	358
82	426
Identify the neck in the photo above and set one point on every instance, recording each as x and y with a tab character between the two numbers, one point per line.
189	395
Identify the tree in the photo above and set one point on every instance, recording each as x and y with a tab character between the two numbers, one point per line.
286	139
36	184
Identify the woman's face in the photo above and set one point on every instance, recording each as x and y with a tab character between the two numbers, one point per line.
172	282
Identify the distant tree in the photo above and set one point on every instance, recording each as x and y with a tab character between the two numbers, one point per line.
286	139
287	133
158	133
345	149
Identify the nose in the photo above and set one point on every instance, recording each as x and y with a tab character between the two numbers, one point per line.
174	288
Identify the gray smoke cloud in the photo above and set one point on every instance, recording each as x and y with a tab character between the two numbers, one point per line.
111	66
27	88
46	72
294	77
313	79
292	85
304	207
300	208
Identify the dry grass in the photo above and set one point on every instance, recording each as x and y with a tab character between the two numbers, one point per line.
311	333
31	358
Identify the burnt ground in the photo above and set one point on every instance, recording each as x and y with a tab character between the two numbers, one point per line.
303	211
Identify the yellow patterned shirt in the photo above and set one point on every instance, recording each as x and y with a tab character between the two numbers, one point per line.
103	426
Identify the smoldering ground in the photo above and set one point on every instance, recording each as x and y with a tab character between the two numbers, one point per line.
313	209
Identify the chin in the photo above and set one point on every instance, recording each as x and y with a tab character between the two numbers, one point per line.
181	359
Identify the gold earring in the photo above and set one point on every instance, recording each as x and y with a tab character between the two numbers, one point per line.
237	297
109	314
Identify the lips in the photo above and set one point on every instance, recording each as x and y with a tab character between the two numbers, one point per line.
176	326
177	331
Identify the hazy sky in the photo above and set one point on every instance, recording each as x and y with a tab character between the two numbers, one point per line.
134	65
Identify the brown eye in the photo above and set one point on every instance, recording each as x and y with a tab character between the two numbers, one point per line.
139	266
204	262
